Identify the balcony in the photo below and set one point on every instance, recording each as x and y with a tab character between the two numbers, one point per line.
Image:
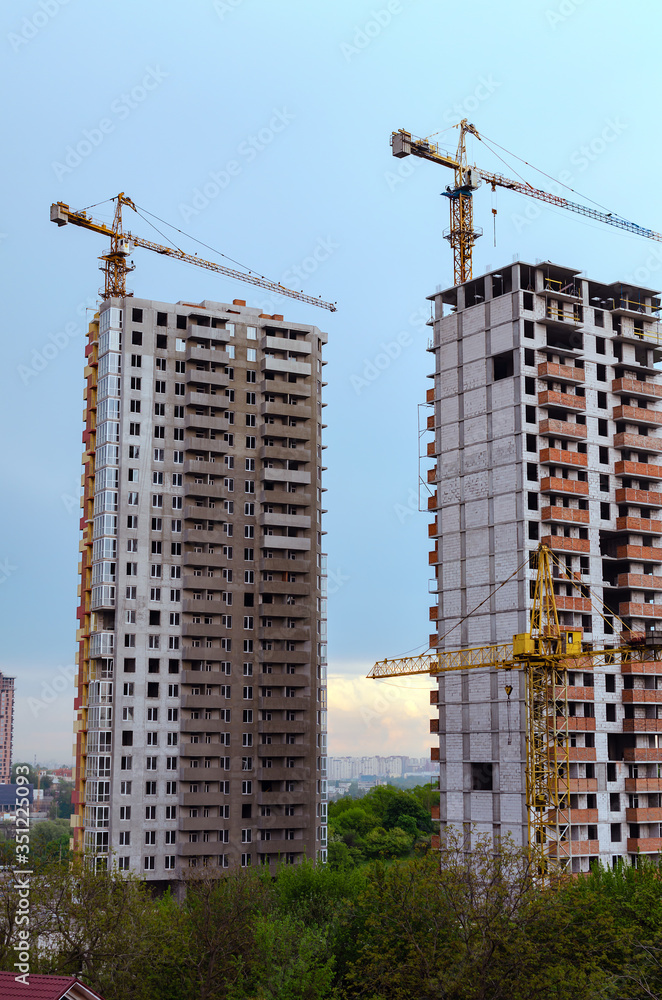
560	456
282	453
199	467
561	373
286	476
636	387
642	725
571	487
644	845
566	848
285	520
576	724
291	367
578	693
285	344
286	542
639	696
643	784
639	581
558	314
639	525
638	442
640	553
634	610
582	754
195	376
102	644
279	408
624	306
644	667
632	755
565	515
642	470
638	415
578	785
564	603
200	397
558	543
641	498
282	565
566	400
215	423
217	355
573	816
562	429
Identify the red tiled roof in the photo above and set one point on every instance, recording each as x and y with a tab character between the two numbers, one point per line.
42	987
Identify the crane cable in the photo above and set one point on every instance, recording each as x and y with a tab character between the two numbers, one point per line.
206	245
587	587
554	180
489	596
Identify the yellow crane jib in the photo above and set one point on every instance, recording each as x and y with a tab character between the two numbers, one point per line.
116	264
545	654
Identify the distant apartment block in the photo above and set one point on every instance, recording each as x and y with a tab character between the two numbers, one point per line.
546	414
6	727
201	702
341	768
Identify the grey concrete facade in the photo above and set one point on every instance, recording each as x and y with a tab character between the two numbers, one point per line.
546	401
201	729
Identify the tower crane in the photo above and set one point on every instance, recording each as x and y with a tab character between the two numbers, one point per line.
462	235
546	653
116	264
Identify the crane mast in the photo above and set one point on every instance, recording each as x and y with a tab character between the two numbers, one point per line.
116	264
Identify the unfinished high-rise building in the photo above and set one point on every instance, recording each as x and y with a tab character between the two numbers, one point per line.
6	727
547	409
201	701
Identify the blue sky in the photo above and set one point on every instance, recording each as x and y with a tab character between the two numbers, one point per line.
158	100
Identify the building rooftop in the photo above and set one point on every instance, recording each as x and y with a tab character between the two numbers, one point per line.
45	988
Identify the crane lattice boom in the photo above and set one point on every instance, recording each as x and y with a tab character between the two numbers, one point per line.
117	266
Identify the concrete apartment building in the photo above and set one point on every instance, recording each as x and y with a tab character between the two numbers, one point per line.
6	727
547	406
201	701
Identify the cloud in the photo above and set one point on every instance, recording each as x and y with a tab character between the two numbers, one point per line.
369	717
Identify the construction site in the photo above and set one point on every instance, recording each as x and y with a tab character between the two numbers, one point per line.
546	548
546	501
